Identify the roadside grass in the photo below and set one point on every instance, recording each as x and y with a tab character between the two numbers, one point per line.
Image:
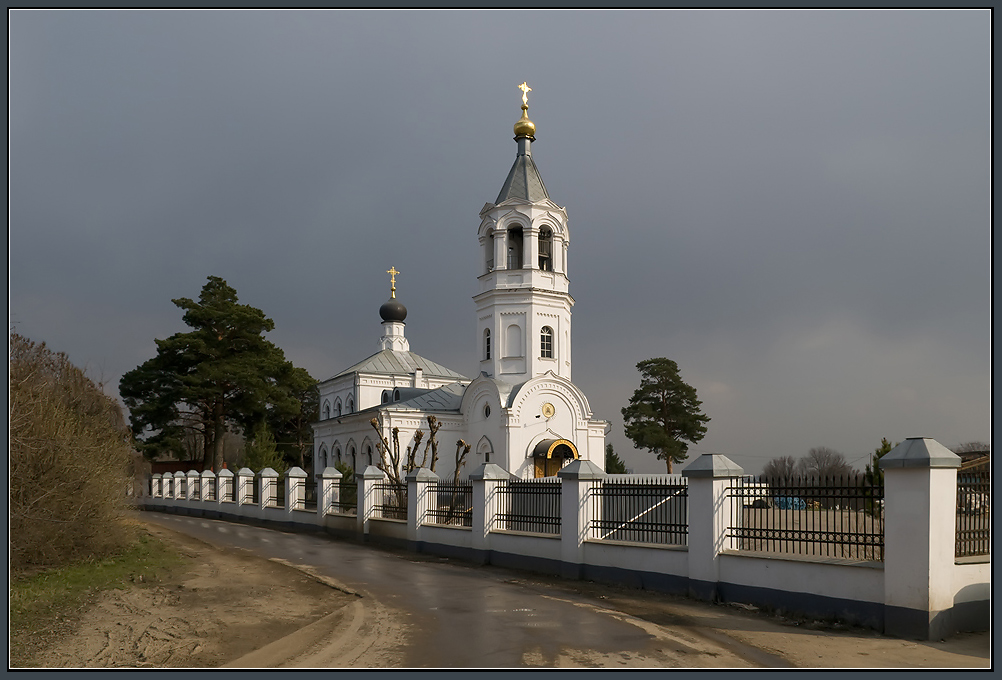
45	605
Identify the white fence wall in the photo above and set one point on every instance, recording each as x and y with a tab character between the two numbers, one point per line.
920	590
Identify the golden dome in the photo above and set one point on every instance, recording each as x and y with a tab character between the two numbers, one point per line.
525	127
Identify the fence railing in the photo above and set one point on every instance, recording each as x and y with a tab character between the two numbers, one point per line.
974	491
529	505
450	504
347	498
277	493
390	500
256	491
641	510
839	516
210	489
309	495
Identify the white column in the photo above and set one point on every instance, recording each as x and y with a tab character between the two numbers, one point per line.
419	484
486	480
244	480
530	247
268	478
367	480
920	515
190	494
204	479
224	483
158	490
576	482
295	489
709	517
328	491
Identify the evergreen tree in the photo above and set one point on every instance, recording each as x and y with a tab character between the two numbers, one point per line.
663	414
614	465
873	475
261	451
222	374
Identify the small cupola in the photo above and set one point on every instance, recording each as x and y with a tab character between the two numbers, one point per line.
393	313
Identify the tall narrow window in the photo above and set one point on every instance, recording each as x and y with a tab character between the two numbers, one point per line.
515	248
487	343
489	250
337	408
351	405
546	343
546	250
327	410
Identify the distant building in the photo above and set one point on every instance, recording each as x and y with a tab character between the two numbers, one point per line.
522	411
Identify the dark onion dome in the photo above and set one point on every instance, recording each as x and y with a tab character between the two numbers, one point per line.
393	310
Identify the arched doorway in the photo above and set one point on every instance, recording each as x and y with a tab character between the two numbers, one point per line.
548	456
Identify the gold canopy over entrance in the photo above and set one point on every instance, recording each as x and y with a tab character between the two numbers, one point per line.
549	456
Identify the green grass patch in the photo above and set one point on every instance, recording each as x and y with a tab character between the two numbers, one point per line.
45	605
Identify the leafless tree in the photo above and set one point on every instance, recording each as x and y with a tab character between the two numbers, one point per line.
822	462
782	468
971	447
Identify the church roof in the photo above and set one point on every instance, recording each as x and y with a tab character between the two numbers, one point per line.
448	398
394	362
523	182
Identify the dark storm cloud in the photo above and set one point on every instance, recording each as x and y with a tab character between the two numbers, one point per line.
792	205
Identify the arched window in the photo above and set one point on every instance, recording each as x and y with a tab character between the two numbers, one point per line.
515	248
513	341
354	463
396	395
546	343
323	455
386	396
489	251
327	409
487	343
368	453
337	454
546	249
337	407
351	405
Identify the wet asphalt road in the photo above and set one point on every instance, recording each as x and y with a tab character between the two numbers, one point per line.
458	615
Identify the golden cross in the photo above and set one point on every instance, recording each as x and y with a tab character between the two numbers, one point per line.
525	91
392	271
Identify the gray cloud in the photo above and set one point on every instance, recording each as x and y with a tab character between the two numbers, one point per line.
792	205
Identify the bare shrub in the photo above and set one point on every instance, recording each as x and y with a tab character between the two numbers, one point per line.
70	460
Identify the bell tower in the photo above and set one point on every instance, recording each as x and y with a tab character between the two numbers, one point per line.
523	307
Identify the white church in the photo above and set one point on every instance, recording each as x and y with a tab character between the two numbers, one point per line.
521	412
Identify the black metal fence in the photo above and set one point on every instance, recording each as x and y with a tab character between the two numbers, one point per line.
256	490
390	500
277	493
840	516
641	510
210	488
450	504
529	505
309	493
347	497
974	492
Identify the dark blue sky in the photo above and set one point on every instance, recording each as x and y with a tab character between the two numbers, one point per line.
794	206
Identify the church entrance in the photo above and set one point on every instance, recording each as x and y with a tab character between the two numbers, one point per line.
550	455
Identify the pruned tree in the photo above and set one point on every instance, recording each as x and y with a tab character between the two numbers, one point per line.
433	427
782	468
822	462
664	415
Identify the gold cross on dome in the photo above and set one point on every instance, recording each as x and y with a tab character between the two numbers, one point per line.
392	271
525	91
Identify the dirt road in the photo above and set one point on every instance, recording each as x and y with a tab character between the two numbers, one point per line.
233	608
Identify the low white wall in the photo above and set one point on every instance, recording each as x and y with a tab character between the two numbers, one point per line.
536	545
841	579
340	523
458	537
388	528
972	582
672	560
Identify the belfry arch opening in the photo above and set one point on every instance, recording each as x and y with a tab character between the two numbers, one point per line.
550	455
515	248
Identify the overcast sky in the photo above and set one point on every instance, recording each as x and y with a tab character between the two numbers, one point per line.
793	206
